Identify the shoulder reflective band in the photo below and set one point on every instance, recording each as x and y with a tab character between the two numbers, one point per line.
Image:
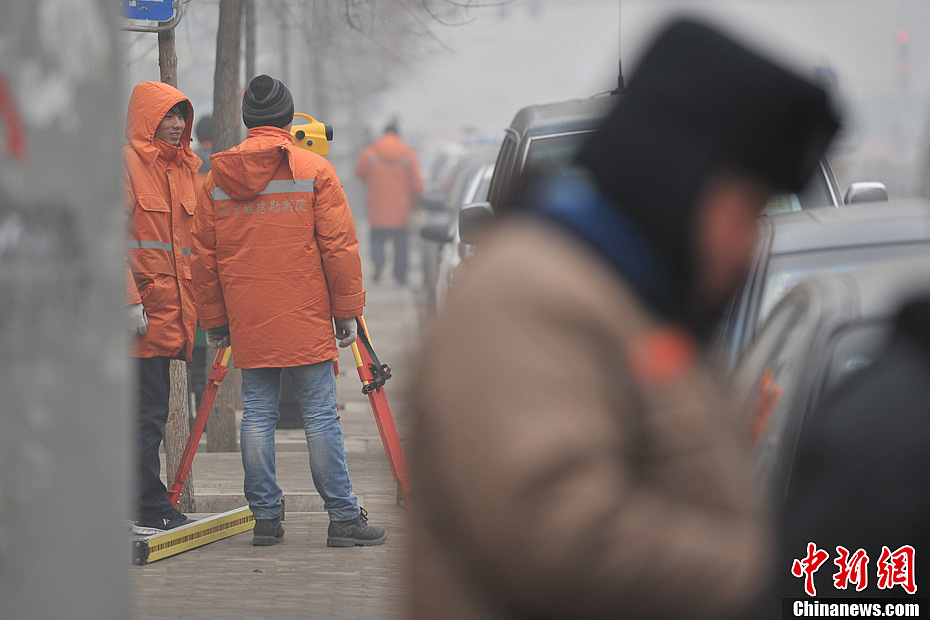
274	187
135	244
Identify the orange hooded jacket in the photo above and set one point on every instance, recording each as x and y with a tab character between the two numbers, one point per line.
275	252
160	200
392	172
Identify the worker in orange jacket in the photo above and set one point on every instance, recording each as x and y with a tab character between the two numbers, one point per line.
277	274
159	167
392	172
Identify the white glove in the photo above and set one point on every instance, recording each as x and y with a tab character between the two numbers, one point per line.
138	323
218	337
345	331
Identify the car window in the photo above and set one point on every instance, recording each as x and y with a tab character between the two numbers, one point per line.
815	194
481	192
554	154
784	271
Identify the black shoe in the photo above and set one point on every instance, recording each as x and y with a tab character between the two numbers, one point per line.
168	521
355	532
267	532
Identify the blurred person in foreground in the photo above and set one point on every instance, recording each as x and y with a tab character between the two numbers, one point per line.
859	480
574	458
277	275
390	169
159	167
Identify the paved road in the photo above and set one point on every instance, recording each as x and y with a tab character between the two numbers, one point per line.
301	577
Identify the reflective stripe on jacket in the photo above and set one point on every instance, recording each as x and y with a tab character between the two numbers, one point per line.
160	199
392	173
275	252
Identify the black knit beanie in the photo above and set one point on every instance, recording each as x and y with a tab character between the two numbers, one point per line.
267	101
700	102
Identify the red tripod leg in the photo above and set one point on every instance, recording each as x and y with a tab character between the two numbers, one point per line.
217	374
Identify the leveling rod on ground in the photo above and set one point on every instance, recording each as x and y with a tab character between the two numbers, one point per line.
197	534
171	542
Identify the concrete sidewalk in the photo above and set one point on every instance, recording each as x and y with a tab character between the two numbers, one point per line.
301	577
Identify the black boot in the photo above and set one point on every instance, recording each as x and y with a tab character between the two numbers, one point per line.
355	532
267	532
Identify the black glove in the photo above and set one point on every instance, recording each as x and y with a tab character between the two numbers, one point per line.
345	331
218	337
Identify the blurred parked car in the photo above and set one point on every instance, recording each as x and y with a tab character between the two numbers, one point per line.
791	245
473	186
827	327
439	224
543	139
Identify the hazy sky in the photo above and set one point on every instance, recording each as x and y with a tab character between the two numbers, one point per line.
508	58
536	51
505	59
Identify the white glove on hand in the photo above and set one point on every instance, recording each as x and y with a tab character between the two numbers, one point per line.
346	331
138	323
218	337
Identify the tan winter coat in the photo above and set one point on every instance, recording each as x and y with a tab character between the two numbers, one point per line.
572	459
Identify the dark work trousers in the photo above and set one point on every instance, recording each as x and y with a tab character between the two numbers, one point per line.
151	417
398	237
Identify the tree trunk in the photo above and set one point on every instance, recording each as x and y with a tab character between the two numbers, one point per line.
250	26
177	431
167	57
226	116
221	426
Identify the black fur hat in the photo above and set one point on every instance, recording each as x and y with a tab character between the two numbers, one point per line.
700	102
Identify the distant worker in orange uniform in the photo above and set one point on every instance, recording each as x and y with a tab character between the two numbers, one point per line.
392	172
159	168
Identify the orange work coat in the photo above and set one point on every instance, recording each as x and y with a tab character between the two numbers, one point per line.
392	172
275	252
160	200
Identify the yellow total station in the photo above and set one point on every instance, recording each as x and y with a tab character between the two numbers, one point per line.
313	136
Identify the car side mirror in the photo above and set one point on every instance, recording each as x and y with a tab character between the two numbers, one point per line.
474	219
439	230
866	191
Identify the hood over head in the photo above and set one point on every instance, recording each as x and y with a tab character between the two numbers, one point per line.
148	104
700	103
246	169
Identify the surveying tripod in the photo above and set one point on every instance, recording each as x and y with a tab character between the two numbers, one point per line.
373	375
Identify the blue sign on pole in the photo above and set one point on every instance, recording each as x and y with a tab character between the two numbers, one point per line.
151	10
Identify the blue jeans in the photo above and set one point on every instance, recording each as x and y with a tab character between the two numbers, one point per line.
315	387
